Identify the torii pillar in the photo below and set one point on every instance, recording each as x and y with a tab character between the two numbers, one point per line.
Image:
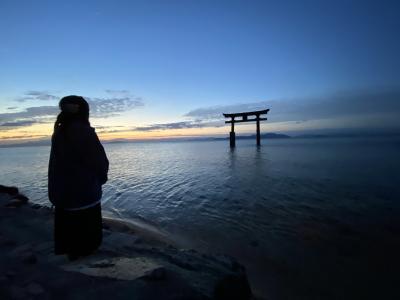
232	138
258	130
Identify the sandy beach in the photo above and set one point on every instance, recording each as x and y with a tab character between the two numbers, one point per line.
133	262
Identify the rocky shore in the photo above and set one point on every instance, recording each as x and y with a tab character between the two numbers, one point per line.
131	263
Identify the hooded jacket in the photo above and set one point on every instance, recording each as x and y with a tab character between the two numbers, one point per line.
78	167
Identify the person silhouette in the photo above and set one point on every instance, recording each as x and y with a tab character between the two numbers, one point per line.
78	167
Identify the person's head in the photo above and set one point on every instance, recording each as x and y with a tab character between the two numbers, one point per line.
73	108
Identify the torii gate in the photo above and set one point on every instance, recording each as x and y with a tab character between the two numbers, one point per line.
244	116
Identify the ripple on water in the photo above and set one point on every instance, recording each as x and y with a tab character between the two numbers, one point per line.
277	195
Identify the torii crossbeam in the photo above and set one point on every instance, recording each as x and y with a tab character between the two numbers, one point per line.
244	118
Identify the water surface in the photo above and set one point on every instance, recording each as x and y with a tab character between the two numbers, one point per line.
301	214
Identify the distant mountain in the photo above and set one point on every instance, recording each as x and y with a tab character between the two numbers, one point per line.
347	135
269	135
311	136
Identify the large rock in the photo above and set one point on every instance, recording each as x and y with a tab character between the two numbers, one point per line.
122	268
145	269
29	258
233	286
16	292
11	190
34	289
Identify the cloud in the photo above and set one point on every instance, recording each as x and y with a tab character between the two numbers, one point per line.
36	95
30	112
19	123
16	137
179	125
119	101
339	105
112	129
28	117
347	107
107	107
165	126
117	92
367	108
99	108
215	112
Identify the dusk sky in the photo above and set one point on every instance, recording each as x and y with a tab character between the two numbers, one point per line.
171	68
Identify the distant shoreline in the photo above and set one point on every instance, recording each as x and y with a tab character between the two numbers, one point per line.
266	136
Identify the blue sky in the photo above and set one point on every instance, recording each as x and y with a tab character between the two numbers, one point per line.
167	59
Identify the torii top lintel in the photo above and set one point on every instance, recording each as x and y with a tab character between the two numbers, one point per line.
244	116
249	113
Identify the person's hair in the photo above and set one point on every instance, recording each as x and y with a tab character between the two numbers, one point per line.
73	108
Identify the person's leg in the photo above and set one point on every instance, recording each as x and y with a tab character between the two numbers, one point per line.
60	232
86	234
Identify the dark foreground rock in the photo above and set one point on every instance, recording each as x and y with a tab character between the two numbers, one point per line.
129	264
10	190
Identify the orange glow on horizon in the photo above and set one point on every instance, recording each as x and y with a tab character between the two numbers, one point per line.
44	131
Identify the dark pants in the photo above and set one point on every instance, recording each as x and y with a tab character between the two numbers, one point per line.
78	232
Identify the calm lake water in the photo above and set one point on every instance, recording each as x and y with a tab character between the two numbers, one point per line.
309	218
